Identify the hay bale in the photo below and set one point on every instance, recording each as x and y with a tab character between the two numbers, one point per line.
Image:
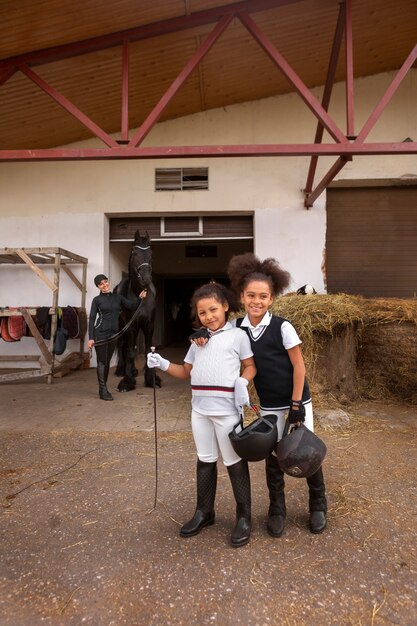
387	361
334	369
387	350
327	326
355	347
389	310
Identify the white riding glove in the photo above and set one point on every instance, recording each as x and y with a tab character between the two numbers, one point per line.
241	393
156	360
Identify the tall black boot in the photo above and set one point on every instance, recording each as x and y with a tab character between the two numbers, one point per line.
206	493
240	479
276	483
102	380
317	502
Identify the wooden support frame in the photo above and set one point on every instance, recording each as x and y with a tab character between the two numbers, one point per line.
60	259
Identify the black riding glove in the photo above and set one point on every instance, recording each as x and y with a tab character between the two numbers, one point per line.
201	333
296	415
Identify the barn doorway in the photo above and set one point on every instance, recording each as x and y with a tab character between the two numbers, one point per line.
177	295
181	261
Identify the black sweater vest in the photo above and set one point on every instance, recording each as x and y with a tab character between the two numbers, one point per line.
274	380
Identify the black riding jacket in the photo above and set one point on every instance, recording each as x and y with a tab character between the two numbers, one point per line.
104	314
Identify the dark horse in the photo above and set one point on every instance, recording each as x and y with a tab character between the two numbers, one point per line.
140	277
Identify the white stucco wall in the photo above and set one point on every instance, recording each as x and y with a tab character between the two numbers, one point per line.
19	286
65	203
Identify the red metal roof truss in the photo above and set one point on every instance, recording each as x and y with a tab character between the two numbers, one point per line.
346	144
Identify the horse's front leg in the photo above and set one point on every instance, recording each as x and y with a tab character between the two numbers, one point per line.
120	368
128	382
148	373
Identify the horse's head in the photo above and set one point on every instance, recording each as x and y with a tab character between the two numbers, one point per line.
140	262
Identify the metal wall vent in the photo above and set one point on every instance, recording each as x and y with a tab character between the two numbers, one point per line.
181	178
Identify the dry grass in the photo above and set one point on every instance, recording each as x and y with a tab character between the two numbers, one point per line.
390	310
384	330
317	315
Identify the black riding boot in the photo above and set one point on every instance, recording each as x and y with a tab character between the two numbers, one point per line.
317	502
102	372
277	510
240	479
206	493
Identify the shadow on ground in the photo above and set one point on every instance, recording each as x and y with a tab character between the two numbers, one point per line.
83	544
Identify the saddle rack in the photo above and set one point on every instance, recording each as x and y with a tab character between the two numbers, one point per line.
37	259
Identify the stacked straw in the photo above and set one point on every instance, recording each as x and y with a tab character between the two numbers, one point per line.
385	332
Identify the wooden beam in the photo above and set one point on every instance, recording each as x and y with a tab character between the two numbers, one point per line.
84	285
22	254
72	276
37	336
70	256
19	357
5	378
71	362
54	316
17	312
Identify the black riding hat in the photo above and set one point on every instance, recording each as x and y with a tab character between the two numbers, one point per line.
99	278
301	452
256	441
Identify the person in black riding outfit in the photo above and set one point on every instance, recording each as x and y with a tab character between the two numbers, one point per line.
104	325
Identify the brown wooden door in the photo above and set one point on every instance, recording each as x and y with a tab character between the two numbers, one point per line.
371	241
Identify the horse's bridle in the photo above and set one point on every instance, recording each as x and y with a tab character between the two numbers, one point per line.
142	264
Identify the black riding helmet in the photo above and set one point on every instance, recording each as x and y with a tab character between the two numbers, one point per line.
256	441
301	452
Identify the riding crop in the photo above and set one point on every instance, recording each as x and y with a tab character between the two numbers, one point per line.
155	432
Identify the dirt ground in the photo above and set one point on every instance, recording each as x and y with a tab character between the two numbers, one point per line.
81	541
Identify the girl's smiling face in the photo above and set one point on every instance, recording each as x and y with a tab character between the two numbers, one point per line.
211	313
256	298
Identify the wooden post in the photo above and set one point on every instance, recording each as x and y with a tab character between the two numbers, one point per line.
83	298
38	338
55	299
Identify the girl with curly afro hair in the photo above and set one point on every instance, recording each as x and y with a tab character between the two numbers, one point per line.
280	381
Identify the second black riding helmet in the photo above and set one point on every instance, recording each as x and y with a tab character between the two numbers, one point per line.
256	441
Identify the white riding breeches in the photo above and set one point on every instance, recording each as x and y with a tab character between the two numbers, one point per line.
281	415
211	435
